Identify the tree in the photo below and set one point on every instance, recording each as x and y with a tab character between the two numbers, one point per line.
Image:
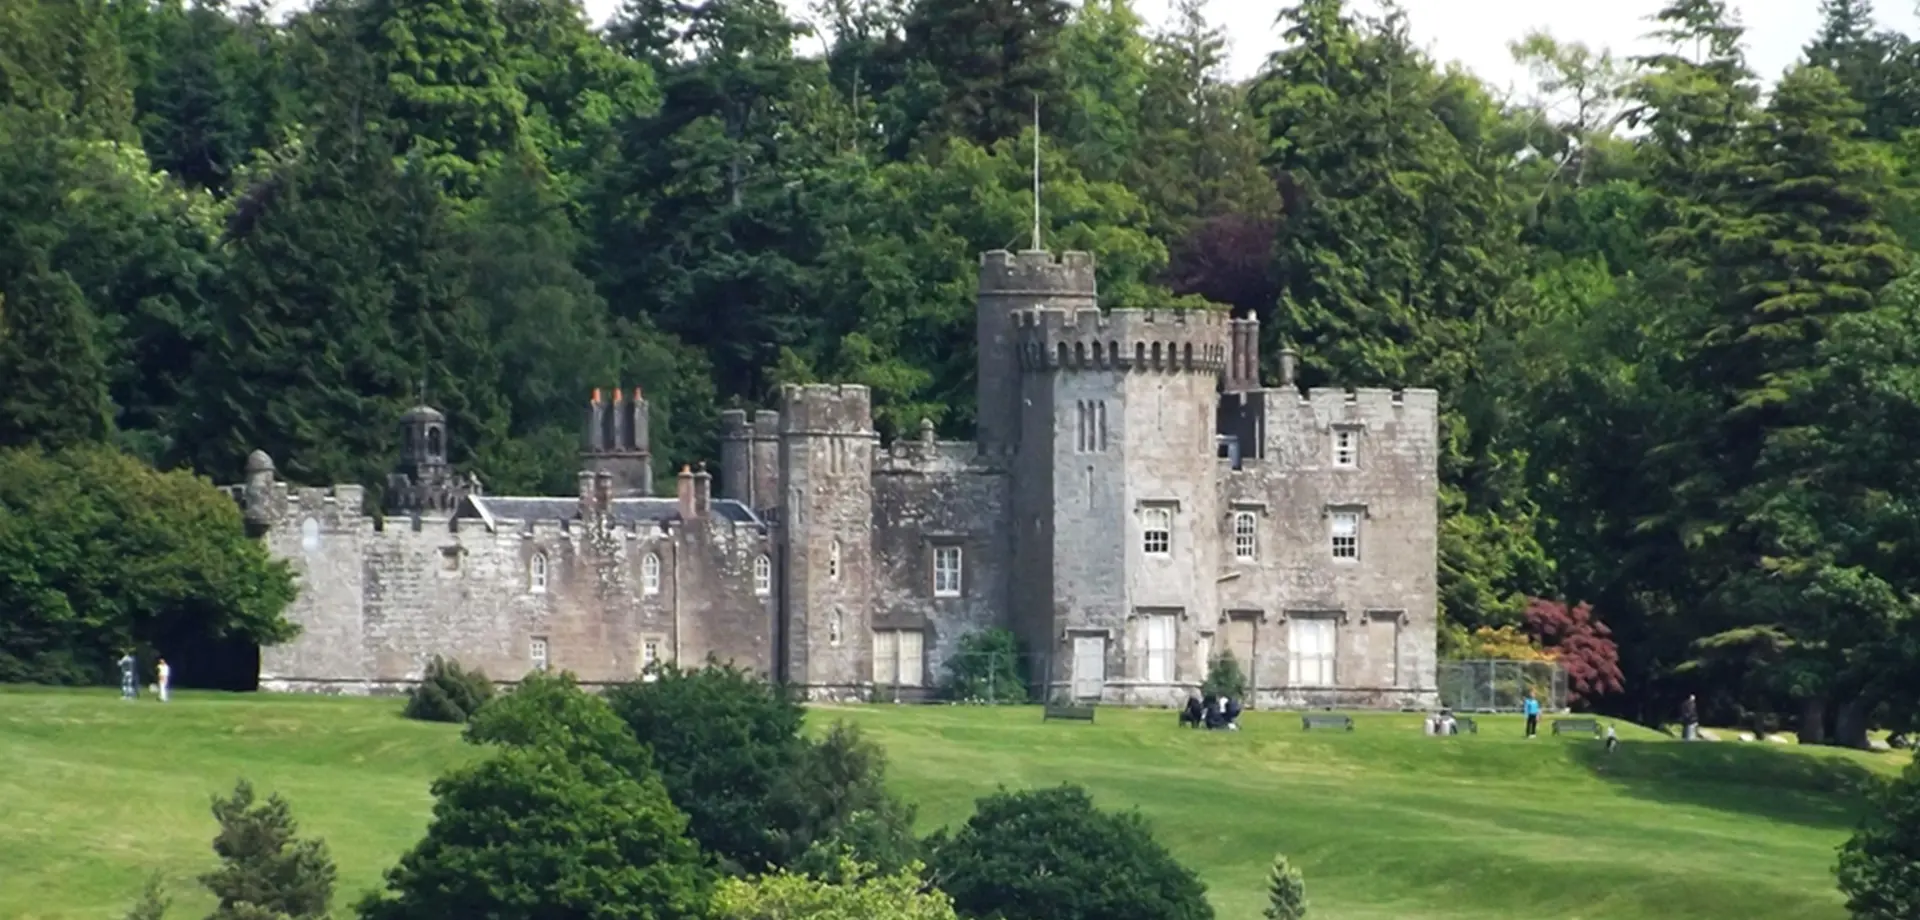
1581	644
536	832
1224	678
834	805
184	578
153	902
550	711
1877	864
53	381
266	870
1049	854
1286	892
864	894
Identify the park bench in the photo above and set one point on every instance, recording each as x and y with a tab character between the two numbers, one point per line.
1067	711
1312	721
1567	726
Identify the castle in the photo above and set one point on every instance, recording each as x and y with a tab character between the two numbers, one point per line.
1136	504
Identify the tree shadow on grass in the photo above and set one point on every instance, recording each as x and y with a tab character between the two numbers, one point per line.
1811	789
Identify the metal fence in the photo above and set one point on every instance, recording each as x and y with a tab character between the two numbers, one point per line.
1494	685
1001	677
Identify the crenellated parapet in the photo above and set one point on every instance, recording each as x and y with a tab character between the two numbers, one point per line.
1167	341
1037	273
822	408
1363	403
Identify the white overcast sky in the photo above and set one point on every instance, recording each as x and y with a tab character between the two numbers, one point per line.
1476	32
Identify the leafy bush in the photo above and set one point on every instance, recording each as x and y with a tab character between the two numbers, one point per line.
1877	867
989	667
551	711
1224	678
1051	855
863	894
448	694
1581	643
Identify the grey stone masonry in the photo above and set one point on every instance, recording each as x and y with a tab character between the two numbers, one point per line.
1137	504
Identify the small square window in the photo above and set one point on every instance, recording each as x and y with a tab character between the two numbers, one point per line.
1346	447
946	571
538	653
1346	535
1156	529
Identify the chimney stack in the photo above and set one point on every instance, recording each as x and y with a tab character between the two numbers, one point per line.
603	492
1289	364
686	493
702	492
586	494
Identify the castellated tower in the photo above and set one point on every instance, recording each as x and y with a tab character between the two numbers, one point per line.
750	458
1009	283
826	537
1115	493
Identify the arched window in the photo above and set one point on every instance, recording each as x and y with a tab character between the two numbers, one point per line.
537	573
434	442
833	628
762	576
833	561
1246	536
650	574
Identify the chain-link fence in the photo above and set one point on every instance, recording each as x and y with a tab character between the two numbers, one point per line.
1002	676
1491	685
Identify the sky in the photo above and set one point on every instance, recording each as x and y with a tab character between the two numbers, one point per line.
1476	32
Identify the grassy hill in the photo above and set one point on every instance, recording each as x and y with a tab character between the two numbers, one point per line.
1386	823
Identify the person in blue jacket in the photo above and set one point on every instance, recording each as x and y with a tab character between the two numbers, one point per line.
1532	709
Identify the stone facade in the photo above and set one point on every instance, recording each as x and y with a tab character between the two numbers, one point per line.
1136	504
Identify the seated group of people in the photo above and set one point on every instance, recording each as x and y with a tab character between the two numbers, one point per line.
1215	712
1442	723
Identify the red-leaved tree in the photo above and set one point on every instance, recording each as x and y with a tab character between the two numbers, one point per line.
1583	645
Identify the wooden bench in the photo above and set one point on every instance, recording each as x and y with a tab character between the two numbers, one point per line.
1566	726
1067	711
1312	721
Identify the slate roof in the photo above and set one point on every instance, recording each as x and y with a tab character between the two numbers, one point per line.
627	511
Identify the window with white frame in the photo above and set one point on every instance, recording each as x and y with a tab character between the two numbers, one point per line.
898	657
1310	644
649	655
537	653
833	561
650	574
1156	530
946	571
1345	532
762	576
537	573
1246	536
1346	447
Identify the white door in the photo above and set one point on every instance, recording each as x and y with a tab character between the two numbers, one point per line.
1089	666
886	657
1157	633
1203	653
911	651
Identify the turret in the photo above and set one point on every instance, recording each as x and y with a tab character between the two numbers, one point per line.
424	480
1010	282
826	464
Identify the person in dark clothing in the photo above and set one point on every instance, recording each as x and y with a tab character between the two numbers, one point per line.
1232	715
1193	715
1690	720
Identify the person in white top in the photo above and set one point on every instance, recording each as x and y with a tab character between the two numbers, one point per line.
166	674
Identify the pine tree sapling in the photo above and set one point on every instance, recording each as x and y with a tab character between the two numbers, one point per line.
1224	678
153	901
1286	892
265	869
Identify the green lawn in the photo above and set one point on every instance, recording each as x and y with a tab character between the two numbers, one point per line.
1386	823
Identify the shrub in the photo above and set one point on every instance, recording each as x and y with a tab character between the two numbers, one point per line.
1581	643
265	869
1224	678
551	711
989	667
1877	867
862	893
1051	855
448	694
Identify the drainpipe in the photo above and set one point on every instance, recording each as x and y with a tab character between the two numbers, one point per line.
676	601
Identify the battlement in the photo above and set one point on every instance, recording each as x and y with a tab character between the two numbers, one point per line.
826	407
1128	340
1037	273
1363	403
735	424
922	457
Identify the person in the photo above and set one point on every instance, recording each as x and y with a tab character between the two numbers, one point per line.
128	689
1613	740
1231	713
1447	724
1532	709
165	674
1689	720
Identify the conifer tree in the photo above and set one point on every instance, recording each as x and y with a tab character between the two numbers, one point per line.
266	870
1286	892
53	381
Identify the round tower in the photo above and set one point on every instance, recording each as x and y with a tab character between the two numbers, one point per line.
1010	282
1120	421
